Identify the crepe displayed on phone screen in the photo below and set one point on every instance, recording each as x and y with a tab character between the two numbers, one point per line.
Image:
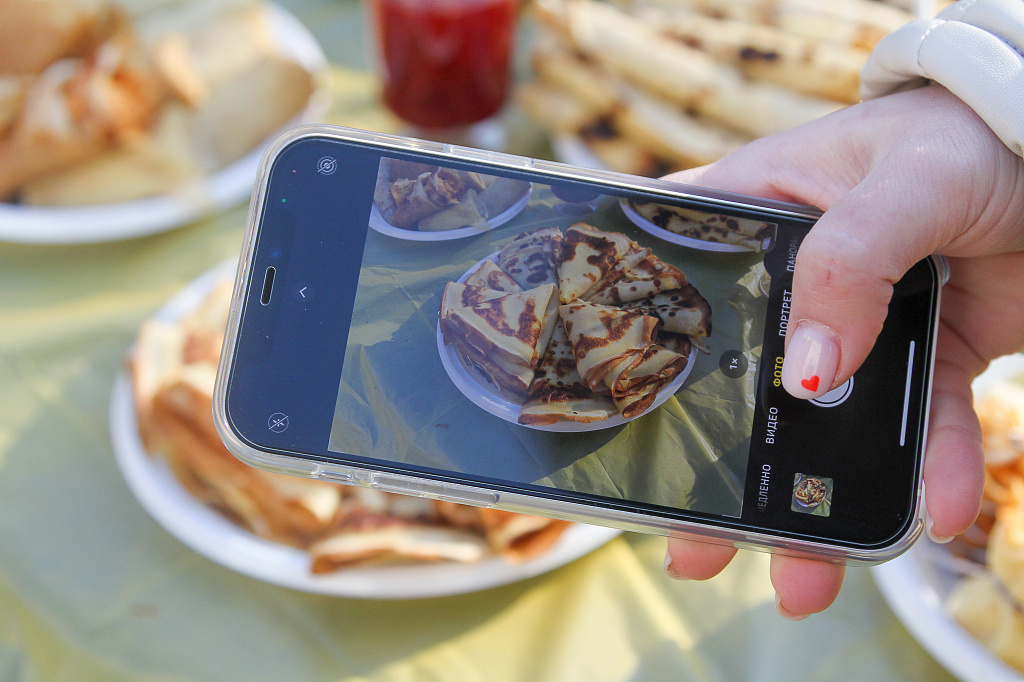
424	198
569	323
602	326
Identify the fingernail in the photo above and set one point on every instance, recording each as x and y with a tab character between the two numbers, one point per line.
928	527
786	613
811	361
671	571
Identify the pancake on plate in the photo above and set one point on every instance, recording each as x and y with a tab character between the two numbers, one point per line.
505	336
988	600
174	364
625	329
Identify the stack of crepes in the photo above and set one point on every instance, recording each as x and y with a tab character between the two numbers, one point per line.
97	108
173	367
989	602
657	85
577	328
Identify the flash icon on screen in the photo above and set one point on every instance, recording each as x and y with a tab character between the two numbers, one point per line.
326	165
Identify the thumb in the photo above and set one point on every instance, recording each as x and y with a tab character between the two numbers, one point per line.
845	271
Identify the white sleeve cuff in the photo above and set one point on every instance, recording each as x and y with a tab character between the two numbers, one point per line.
973	49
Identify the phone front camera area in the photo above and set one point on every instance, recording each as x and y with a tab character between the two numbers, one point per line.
566	339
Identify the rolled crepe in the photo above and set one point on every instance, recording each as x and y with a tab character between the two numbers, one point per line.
853	23
641	54
808	65
634	382
602	337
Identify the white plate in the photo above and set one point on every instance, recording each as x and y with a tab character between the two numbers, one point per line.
650	228
917	584
378	223
221	190
210	534
486	395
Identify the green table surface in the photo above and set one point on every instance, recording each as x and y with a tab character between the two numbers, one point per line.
91	588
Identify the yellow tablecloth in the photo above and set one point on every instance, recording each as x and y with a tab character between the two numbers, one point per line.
92	589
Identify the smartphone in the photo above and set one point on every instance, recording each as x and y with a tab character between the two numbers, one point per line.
472	326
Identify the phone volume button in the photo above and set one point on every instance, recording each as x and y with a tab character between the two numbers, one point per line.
462	495
405	486
336	476
442	491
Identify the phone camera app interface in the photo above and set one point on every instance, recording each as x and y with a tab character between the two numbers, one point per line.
557	337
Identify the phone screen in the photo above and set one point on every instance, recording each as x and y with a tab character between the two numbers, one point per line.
567	339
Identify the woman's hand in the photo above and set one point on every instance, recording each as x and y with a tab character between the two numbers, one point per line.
899	178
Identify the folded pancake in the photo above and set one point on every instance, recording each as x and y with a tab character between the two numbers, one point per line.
155	358
517	537
630	283
506	335
173	370
270	505
383	537
532	258
587	256
635	381
681	311
414	200
557	392
709	227
520	537
602	337
77	108
468	212
489	275
457	296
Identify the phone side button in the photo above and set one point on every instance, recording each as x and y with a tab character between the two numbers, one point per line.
441	491
477	498
336	476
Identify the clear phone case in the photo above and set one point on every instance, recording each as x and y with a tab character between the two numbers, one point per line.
480	495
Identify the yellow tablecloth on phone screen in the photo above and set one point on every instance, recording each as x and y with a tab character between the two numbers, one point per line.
92	589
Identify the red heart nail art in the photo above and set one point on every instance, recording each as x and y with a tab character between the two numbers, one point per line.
810	384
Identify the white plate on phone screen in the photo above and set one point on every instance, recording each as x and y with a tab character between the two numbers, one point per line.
378	223
573	150
221	190
210	534
486	395
682	240
917	584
